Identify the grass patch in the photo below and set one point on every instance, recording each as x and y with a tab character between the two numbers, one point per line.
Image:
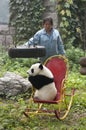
11	111
12	118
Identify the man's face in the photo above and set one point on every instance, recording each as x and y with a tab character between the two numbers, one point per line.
47	26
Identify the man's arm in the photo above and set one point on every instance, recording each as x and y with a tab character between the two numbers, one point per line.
60	45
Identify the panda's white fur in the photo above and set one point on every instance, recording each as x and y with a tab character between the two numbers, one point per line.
45	91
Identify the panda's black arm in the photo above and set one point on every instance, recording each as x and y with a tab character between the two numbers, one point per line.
39	81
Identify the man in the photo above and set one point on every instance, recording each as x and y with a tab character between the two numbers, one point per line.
49	38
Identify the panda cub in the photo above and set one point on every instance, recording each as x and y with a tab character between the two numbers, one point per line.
42	79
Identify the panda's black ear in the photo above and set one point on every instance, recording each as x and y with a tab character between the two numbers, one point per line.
41	66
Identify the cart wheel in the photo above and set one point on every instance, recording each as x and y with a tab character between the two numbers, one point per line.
83	61
27	52
83	70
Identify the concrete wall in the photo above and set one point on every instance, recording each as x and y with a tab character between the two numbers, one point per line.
51	11
6	35
4	11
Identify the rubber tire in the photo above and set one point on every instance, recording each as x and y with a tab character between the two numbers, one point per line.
27	52
82	61
83	70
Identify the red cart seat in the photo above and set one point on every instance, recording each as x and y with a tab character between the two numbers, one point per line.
58	66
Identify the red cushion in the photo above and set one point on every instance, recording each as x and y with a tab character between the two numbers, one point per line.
58	67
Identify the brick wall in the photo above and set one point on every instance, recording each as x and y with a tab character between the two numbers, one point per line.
6	35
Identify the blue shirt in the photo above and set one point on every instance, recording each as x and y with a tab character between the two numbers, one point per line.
52	42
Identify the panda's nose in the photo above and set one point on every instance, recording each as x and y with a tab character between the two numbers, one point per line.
32	70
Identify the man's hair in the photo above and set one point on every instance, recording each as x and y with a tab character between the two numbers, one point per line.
49	19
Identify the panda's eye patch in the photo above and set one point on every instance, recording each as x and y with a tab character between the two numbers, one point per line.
32	70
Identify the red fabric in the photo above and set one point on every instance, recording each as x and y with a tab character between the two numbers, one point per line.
58	67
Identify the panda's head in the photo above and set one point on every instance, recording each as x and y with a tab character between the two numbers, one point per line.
35	69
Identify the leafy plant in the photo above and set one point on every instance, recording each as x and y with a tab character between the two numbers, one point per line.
12	117
17	65
70	15
11	111
24	16
74	54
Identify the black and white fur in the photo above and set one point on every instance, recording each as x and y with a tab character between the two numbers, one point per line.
42	79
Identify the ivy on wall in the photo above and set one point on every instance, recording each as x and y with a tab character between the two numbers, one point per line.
70	20
26	17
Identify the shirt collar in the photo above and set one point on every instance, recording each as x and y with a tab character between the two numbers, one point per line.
44	31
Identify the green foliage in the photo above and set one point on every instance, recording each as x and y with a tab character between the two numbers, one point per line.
76	80
24	16
11	111
12	117
74	54
70	14
17	65
21	65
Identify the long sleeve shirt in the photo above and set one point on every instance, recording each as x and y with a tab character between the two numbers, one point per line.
52	42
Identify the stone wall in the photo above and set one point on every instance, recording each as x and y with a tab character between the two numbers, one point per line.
51	11
6	35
